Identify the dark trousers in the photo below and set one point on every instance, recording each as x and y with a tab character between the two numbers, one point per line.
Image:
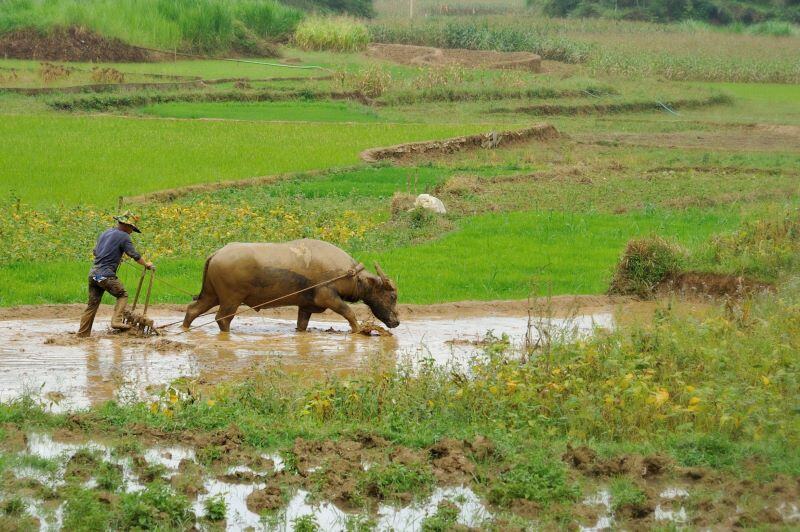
113	286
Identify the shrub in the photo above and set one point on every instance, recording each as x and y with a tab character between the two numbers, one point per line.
338	34
645	263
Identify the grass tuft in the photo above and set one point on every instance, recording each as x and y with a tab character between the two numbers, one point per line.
645	263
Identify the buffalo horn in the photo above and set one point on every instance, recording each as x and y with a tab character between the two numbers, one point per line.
380	273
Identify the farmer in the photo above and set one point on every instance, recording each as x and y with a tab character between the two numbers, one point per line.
103	276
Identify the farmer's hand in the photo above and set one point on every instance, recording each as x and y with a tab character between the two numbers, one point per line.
150	266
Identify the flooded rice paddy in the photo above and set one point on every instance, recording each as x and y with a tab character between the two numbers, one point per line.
43	357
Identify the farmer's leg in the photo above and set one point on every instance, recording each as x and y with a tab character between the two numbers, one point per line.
87	318
114	287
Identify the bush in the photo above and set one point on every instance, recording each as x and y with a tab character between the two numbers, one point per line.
338	34
645	263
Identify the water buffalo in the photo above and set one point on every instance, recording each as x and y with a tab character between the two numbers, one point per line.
253	274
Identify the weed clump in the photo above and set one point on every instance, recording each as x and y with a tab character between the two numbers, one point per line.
397	481
107	75
534	478
401	202
445	518
760	248
646	263
372	82
156	507
216	509
50	72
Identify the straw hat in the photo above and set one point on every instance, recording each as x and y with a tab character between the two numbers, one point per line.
128	218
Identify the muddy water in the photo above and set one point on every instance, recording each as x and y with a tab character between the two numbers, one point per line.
44	358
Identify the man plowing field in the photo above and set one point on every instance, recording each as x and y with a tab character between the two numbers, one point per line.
108	253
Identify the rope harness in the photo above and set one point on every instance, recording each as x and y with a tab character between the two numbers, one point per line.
353	272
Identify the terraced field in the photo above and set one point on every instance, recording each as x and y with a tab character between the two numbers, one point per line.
621	291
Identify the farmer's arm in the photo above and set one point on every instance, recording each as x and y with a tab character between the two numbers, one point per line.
135	255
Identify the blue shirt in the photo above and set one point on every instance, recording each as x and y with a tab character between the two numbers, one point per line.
108	252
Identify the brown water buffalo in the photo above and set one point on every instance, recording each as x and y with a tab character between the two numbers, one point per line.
253	274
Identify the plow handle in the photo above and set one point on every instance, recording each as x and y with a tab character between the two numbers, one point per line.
139	290
149	288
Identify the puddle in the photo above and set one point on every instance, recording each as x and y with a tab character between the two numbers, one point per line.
604	521
169	457
471	511
41	358
238	516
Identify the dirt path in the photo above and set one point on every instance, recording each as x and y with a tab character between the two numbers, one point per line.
407	54
752	137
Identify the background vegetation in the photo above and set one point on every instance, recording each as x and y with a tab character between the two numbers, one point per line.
714	11
200	26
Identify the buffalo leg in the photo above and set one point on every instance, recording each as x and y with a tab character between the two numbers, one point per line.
302	319
202	305
224	316
336	304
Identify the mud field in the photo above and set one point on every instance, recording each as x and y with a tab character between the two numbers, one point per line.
40	354
69	44
406	54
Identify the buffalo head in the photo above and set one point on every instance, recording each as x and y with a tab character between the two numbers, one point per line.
381	298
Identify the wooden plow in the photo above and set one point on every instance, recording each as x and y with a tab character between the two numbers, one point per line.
140	323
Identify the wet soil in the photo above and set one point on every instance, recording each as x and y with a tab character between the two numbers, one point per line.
40	353
68	44
585	459
406	54
491	140
712	284
559	305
